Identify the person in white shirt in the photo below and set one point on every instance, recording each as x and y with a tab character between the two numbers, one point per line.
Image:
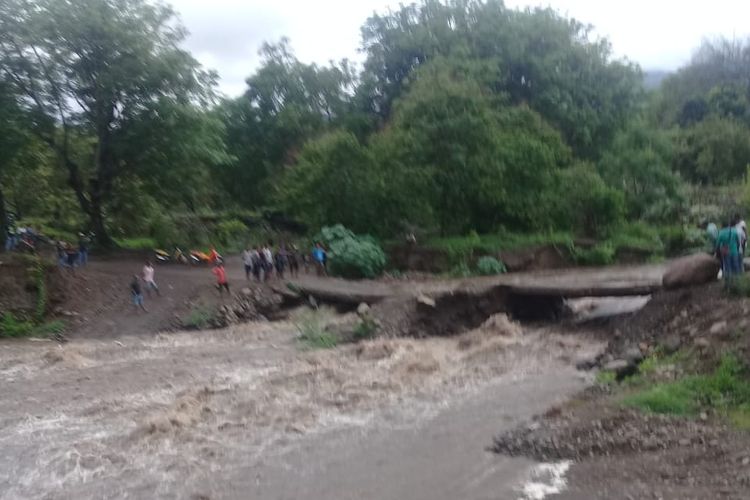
741	228
247	259
148	278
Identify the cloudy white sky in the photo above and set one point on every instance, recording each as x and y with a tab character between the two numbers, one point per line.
226	34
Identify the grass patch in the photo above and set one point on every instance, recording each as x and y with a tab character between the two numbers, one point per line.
727	390
14	327
487	244
606	377
200	318
739	286
365	329
143	243
312	332
48	329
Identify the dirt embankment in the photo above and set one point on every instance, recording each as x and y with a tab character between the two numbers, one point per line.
622	453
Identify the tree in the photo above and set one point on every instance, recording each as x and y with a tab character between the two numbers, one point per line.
542	59
286	103
12	140
89	70
639	163
334	181
714	151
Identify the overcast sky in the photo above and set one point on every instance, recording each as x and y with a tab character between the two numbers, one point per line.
226	34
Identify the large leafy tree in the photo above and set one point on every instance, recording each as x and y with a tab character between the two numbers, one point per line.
90	71
286	103
544	60
13	138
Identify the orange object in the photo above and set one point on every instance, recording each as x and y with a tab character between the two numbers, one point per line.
221	275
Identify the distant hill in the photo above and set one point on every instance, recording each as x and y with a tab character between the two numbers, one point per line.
653	78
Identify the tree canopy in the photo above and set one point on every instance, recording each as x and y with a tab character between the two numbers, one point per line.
466	116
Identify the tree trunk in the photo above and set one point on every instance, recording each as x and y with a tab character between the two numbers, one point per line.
96	216
3	220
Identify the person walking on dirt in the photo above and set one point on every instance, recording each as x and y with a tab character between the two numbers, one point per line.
280	260
136	293
83	249
320	258
221	278
728	251
257	260
741	228
148	278
293	258
267	255
247	260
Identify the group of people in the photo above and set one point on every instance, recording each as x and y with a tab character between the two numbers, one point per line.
729	245
71	255
264	263
147	280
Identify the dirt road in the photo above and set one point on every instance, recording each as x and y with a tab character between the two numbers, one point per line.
243	413
98	295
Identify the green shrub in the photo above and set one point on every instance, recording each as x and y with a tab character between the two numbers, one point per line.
727	389
365	329
48	328
143	243
739	286
352	256
230	232
10	326
602	254
312	332
490	266
200	318
637	236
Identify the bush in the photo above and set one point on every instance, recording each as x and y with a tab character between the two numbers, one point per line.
739	286
136	243
726	389
352	256
599	255
312	332
230	231
490	266
10	326
200	318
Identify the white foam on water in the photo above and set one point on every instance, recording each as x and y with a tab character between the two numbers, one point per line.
545	480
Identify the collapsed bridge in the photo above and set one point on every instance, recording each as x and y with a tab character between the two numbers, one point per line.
446	307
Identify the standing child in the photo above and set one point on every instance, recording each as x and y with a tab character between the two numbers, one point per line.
148	278
221	278
137	294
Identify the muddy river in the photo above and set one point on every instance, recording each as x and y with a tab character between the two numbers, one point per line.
247	413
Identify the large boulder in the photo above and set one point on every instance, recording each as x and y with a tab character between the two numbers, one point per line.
695	269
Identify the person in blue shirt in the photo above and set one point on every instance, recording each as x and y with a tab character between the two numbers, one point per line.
320	258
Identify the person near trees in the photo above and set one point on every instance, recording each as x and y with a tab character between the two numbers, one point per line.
221	277
148	279
293	258
281	261
741	228
247	260
83	249
320	258
267	254
728	251
136	293
257	260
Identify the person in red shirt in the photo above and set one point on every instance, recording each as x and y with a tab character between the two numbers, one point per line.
221	277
